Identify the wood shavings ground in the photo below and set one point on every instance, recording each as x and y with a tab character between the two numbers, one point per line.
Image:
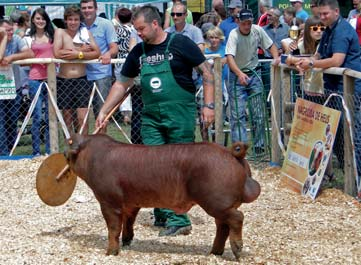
280	227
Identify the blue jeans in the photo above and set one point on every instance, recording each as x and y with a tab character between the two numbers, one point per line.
104	86
238	95
357	125
9	113
38	116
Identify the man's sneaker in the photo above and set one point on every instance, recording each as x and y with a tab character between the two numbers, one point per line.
176	230
159	222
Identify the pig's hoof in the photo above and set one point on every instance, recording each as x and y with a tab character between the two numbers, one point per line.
217	252
126	242
236	246
113	252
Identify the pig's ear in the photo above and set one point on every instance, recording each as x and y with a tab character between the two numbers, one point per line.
239	150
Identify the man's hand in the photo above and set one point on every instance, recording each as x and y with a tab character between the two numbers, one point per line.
105	58
3	33
86	48
243	79
68	54
207	116
303	65
100	122
276	61
6	61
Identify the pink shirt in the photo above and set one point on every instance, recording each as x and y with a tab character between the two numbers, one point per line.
41	50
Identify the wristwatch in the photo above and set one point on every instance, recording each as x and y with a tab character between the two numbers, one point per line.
81	55
209	105
311	63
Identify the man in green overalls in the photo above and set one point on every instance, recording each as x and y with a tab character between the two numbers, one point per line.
165	63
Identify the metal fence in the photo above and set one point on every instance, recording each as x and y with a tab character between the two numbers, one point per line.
124	125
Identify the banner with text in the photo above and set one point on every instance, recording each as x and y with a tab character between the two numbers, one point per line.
7	83
310	146
283	4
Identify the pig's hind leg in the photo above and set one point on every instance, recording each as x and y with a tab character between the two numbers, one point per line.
113	219
129	216
221	237
235	223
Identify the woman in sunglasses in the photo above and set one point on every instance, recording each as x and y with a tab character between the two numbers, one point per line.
311	36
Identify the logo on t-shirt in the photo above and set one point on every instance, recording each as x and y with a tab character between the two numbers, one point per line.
157	58
155	83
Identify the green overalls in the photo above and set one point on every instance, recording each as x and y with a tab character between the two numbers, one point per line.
168	116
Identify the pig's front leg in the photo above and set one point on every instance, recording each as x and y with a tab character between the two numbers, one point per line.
113	218
129	215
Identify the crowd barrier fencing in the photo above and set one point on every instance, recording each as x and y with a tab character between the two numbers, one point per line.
51	86
281	91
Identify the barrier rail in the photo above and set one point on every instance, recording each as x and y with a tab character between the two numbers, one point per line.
52	82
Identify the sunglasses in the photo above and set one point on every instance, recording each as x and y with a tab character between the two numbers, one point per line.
173	14
316	28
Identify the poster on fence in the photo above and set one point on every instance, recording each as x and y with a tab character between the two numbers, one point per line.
7	83
310	146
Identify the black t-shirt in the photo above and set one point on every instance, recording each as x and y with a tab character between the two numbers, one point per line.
184	54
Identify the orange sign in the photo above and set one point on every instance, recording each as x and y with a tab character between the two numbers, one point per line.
310	146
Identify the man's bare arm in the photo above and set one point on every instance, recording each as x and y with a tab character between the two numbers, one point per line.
58	43
208	91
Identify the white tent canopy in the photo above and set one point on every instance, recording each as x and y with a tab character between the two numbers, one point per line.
55	8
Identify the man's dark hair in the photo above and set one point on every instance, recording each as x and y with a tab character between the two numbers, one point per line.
71	11
150	13
333	4
88	1
5	21
124	15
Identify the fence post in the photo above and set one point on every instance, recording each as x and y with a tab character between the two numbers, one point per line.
349	167
53	121
275	113
286	104
218	98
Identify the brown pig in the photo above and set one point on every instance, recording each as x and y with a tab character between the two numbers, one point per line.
125	178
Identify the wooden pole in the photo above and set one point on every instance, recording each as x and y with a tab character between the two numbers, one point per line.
218	97
349	167
275	113
53	121
286	99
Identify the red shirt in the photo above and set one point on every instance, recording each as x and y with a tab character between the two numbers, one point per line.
358	29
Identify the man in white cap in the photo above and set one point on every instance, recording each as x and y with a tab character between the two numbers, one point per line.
300	12
242	57
230	22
